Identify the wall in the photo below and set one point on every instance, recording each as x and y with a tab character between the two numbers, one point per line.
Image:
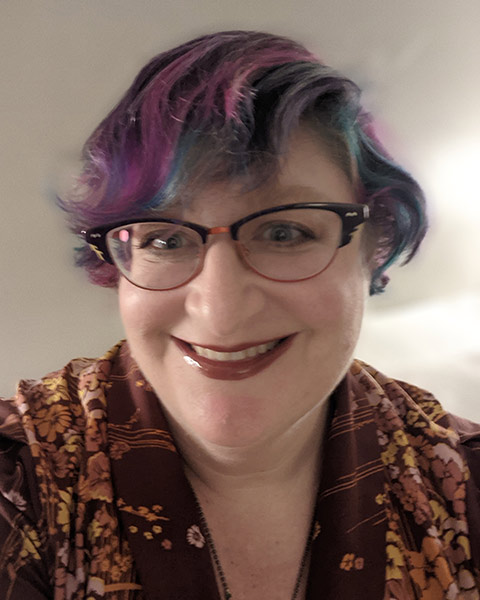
64	63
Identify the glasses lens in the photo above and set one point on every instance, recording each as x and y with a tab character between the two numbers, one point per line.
292	244
155	256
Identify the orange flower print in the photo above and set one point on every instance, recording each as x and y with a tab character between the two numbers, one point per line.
61	463
430	572
350	561
347	562
195	536
449	469
97	484
52	421
118	449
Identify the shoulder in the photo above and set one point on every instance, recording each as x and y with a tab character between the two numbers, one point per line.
406	397
445	445
417	411
43	432
48	416
68	387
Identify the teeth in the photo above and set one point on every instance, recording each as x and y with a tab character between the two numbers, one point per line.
240	355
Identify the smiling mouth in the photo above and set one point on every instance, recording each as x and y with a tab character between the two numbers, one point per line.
250	352
233	364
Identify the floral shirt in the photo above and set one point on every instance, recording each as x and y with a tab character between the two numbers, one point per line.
94	503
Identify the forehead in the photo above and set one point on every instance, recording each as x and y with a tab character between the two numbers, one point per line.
306	173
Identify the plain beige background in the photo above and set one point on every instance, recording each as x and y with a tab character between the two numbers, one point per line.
64	63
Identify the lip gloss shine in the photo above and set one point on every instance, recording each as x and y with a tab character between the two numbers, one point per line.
234	369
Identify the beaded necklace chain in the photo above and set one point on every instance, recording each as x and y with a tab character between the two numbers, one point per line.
227	595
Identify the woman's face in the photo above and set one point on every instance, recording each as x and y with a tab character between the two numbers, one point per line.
229	308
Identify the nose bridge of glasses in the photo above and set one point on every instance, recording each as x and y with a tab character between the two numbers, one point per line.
219	229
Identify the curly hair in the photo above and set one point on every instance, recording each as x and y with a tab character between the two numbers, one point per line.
223	106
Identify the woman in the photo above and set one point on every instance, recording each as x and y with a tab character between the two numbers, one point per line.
231	447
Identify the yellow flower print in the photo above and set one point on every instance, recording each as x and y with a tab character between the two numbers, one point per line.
412	416
94	530
400	438
148	535
395	560
409	457
31	543
448	537
157	529
72	442
59	387
464	542
380	498
133	529
64	509
388	455
439	512
52	421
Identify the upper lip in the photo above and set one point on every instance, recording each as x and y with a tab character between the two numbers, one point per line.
236	348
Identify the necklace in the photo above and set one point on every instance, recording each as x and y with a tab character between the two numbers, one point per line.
227	595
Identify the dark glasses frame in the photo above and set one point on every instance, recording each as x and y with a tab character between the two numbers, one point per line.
352	216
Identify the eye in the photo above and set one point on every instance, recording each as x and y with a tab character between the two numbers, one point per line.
169	239
158	241
284	233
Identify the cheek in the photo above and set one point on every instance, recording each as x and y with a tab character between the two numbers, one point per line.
144	312
332	307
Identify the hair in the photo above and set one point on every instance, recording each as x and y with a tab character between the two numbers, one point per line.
221	107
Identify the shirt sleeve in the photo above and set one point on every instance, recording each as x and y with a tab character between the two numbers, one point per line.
23	541
470	446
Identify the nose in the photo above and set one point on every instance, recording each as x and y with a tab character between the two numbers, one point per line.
226	295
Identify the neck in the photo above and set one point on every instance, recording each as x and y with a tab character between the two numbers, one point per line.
236	472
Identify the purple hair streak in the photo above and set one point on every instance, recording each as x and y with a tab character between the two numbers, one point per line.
223	106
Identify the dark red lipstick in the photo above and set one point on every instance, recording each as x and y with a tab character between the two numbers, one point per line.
233	369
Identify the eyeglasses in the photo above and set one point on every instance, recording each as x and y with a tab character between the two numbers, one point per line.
286	243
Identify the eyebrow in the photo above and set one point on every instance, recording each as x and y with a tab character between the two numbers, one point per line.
303	193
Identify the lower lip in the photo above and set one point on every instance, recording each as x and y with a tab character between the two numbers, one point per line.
235	369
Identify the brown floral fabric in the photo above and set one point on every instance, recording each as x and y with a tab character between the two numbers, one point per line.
94	503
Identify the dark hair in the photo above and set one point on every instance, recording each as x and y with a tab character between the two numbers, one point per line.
238	95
